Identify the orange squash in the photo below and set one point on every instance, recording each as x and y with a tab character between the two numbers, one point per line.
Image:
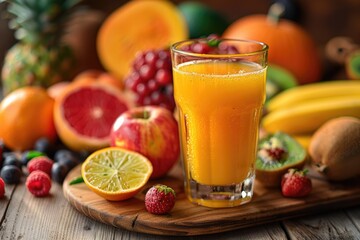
138	26
290	46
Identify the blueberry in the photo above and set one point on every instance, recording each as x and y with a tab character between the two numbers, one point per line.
44	145
11	174
11	159
66	157
5	154
62	153
59	172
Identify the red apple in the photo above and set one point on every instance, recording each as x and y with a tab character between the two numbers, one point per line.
151	131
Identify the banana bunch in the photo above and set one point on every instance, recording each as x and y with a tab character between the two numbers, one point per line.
300	111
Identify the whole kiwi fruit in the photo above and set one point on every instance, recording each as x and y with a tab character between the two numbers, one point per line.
335	148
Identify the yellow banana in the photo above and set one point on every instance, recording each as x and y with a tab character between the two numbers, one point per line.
312	91
304	140
307	117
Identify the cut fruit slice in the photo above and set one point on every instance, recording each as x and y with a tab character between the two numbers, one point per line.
138	26
116	174
85	112
276	154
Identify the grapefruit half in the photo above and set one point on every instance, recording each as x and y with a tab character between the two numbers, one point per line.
85	112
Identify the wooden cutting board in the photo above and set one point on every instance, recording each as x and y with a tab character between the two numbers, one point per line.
267	205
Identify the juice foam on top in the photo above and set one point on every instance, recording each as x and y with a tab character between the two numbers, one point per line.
219	69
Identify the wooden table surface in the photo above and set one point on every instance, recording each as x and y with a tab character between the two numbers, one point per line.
26	217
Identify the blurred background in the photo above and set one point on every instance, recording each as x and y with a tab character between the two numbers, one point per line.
323	19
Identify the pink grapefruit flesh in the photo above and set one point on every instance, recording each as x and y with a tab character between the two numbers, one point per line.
85	114
95	116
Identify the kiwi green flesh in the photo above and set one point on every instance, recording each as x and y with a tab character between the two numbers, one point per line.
295	153
355	65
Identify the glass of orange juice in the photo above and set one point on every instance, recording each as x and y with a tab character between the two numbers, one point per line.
219	89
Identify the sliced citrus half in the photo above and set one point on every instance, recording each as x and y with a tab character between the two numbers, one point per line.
115	173
85	112
144	25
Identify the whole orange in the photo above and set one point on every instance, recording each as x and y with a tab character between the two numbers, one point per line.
26	115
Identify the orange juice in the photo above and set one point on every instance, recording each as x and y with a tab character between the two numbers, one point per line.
220	104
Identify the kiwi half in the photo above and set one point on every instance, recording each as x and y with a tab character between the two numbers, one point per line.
269	170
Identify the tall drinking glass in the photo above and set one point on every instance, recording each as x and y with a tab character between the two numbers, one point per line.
219	95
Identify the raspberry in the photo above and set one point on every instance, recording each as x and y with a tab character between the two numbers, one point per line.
41	163
151	79
38	183
2	188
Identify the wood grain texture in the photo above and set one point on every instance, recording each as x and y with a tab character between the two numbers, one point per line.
188	219
51	217
336	225
5	201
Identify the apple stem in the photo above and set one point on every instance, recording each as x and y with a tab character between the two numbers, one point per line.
142	114
146	114
275	12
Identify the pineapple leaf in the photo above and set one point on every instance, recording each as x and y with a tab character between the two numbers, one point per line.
20	11
39	20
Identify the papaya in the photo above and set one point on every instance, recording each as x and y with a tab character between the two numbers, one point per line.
138	26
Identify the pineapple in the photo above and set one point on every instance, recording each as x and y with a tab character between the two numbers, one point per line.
39	58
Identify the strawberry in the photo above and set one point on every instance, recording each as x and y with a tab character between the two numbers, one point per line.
41	163
295	183
2	188
160	199
38	183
